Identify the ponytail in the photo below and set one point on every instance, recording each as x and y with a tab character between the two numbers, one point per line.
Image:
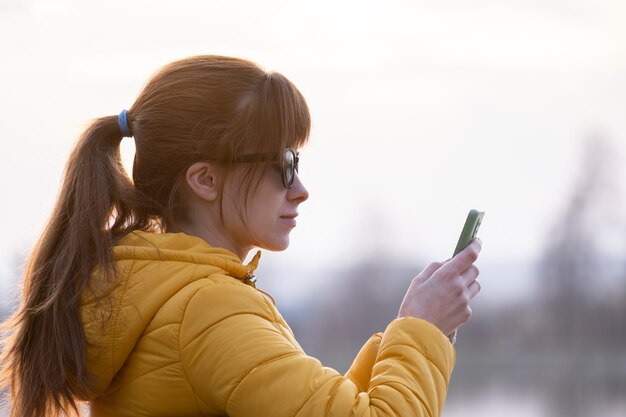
43	360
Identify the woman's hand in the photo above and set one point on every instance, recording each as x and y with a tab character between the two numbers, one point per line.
441	293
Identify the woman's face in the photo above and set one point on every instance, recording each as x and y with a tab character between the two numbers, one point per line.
270	212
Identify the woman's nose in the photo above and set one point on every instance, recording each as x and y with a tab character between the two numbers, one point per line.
298	191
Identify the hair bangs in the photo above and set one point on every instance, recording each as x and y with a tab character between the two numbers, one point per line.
273	117
289	116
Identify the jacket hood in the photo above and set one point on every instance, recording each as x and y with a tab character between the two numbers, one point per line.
152	267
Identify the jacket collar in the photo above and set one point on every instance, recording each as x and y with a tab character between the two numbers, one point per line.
182	247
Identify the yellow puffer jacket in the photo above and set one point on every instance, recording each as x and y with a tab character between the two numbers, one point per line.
184	332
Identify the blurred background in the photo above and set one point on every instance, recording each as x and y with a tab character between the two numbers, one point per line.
421	110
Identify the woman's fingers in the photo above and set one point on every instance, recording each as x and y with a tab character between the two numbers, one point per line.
440	294
469	279
427	272
473	289
463	259
470	275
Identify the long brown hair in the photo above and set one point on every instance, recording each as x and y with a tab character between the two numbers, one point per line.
202	107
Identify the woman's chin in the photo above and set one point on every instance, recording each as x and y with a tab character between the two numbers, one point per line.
277	245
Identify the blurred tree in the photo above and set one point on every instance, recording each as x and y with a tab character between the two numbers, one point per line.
582	323
582	252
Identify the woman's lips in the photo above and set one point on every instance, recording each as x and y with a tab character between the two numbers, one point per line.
290	220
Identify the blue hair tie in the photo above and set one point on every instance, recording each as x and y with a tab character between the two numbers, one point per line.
122	122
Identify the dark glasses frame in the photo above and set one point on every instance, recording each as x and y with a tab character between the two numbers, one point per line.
290	161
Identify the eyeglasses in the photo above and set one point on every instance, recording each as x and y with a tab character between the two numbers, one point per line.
289	163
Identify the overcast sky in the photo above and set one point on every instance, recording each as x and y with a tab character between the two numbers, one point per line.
421	109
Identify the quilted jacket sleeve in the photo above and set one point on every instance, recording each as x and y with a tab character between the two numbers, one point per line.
241	362
361	370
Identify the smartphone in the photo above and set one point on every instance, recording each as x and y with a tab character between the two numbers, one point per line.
472	223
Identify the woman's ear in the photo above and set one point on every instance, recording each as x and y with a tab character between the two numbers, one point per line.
202	180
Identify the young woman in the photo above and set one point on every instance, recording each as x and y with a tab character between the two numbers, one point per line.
136	300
